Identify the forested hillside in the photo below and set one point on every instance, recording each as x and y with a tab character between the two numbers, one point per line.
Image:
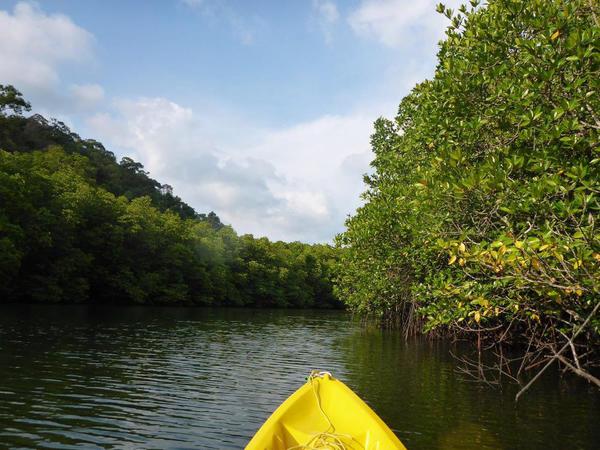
77	226
481	216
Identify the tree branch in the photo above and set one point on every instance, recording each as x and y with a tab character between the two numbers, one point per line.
557	354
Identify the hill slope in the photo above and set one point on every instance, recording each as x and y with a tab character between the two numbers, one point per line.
76	226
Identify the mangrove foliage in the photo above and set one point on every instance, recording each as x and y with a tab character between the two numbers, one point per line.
481	213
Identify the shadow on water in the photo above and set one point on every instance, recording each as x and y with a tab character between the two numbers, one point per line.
202	378
415	388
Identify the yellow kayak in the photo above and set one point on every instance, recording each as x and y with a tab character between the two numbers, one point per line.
324	414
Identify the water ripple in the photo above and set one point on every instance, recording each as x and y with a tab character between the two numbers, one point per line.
205	382
188	378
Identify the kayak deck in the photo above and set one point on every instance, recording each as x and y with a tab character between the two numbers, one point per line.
324	414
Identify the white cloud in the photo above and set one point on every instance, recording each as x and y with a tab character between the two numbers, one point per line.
154	129
400	23
311	202
296	183
317	157
87	95
34	44
174	144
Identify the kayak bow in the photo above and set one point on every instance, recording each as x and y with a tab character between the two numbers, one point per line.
324	414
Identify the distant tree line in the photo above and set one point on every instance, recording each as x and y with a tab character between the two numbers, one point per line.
481	214
76	226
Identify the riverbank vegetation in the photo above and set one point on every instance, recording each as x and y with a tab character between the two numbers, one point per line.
78	227
480	216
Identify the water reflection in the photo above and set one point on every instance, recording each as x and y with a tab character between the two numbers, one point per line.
198	378
416	389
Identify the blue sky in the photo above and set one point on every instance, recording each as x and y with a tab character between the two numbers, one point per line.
258	110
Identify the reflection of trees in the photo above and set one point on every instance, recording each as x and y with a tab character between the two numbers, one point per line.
416	390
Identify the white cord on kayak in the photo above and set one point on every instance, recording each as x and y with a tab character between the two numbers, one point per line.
326	440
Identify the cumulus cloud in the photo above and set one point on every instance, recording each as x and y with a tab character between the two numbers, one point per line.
400	23
154	130
296	183
34	44
320	187
174	145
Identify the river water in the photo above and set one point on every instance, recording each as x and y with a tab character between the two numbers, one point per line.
90	377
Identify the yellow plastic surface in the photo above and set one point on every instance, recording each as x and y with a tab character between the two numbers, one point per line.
299	419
